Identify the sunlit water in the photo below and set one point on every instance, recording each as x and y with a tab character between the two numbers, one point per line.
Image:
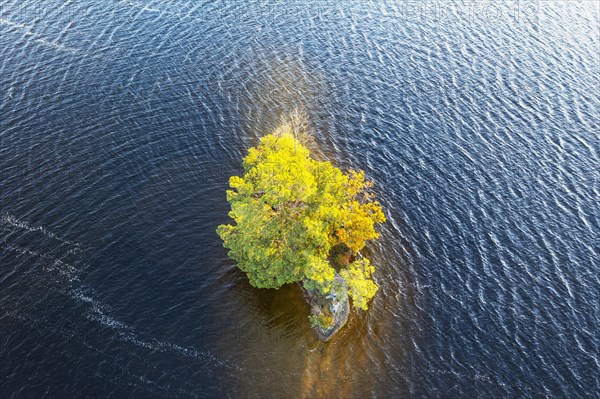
120	123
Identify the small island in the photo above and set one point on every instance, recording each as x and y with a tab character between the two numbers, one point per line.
301	220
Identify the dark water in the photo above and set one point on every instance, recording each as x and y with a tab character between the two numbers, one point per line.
120	123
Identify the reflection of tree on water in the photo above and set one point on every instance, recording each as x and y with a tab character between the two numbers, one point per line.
339	368
268	89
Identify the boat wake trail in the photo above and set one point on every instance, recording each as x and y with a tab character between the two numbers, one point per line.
43	268
10	220
101	313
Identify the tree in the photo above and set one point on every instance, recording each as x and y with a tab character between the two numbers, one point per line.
360	283
290	210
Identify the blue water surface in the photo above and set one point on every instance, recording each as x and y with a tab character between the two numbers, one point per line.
121	122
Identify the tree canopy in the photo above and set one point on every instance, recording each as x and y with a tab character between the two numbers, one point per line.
290	210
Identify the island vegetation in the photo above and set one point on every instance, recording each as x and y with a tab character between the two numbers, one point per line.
301	220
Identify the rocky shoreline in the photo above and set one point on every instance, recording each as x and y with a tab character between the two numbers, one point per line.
334	307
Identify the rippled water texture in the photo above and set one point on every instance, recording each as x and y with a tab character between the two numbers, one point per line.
121	121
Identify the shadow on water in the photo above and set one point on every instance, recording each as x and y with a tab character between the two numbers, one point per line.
268	335
271	86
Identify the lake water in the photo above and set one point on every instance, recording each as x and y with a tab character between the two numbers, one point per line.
121	122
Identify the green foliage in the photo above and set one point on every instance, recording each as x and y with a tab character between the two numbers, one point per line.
361	287
290	210
322	321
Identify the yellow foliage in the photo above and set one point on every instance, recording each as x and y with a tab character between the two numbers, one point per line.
290	210
361	287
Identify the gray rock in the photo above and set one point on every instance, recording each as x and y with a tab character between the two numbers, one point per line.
338	305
